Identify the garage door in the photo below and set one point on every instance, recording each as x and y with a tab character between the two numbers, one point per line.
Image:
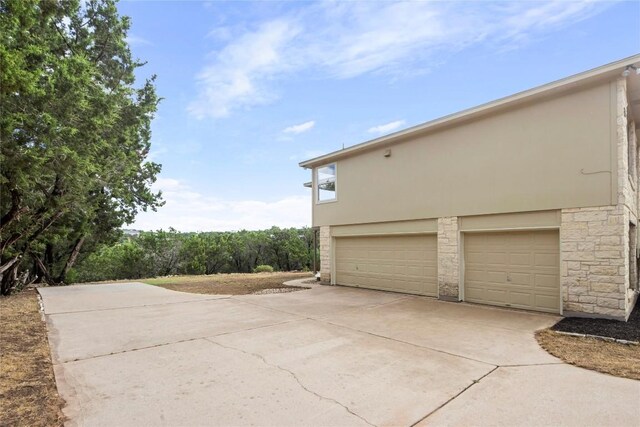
515	269
391	263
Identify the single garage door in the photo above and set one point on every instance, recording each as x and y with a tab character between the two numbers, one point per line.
391	263
514	269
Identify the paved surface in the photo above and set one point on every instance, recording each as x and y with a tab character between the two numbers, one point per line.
133	354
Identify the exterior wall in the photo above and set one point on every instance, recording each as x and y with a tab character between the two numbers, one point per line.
585	189
386	228
548	155
325	255
448	258
595	274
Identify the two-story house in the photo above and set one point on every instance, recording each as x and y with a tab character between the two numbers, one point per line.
529	202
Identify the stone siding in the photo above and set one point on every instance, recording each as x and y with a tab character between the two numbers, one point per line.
325	255
448	258
594	265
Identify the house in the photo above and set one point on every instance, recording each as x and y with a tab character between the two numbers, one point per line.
529	202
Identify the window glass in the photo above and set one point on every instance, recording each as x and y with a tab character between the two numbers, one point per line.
327	172
326	183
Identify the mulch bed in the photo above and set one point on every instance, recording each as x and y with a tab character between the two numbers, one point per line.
629	330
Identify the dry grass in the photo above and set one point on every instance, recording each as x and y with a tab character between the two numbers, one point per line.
227	284
621	360
28	394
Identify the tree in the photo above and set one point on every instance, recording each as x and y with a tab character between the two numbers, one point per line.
203	253
162	249
74	134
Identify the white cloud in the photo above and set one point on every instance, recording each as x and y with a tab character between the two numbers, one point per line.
348	39
134	40
386	128
189	210
233	80
302	127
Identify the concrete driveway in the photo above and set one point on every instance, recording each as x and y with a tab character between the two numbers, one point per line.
134	354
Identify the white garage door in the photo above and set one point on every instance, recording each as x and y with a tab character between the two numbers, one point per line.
514	269
391	263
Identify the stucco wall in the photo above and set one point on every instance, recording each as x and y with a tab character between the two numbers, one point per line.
548	155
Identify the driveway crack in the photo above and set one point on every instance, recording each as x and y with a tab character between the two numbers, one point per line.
456	396
295	377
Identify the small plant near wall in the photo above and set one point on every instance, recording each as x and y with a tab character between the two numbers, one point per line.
263	269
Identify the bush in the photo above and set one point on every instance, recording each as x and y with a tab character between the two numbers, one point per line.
263	269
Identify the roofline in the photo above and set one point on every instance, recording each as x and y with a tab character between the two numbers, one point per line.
602	72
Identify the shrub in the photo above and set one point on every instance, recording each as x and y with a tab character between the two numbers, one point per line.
263	269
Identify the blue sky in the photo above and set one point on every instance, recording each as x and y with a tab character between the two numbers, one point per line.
252	88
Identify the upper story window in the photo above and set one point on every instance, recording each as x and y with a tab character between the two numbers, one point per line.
326	183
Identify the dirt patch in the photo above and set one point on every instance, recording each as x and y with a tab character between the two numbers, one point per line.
228	284
629	330
621	360
28	394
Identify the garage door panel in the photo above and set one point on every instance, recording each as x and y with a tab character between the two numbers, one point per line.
514	269
524	279
547	260
523	259
549	281
551	302
393	263
475	292
495	296
495	276
521	298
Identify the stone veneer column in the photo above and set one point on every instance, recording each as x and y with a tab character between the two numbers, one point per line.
594	265
325	254
627	191
448	258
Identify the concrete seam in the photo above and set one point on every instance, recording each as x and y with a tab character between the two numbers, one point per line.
174	342
295	377
455	397
140	306
408	343
524	365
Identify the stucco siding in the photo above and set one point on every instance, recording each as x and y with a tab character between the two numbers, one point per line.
552	154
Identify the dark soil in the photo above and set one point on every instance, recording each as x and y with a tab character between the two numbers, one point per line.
629	330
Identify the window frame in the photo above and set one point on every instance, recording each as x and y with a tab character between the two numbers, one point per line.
317	182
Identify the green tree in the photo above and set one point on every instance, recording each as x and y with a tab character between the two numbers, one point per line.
203	253
162	249
74	134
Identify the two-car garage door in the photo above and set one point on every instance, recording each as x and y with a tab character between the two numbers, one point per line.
512	269
406	263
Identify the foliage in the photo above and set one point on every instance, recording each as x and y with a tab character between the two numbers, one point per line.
263	268
74	133
163	253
